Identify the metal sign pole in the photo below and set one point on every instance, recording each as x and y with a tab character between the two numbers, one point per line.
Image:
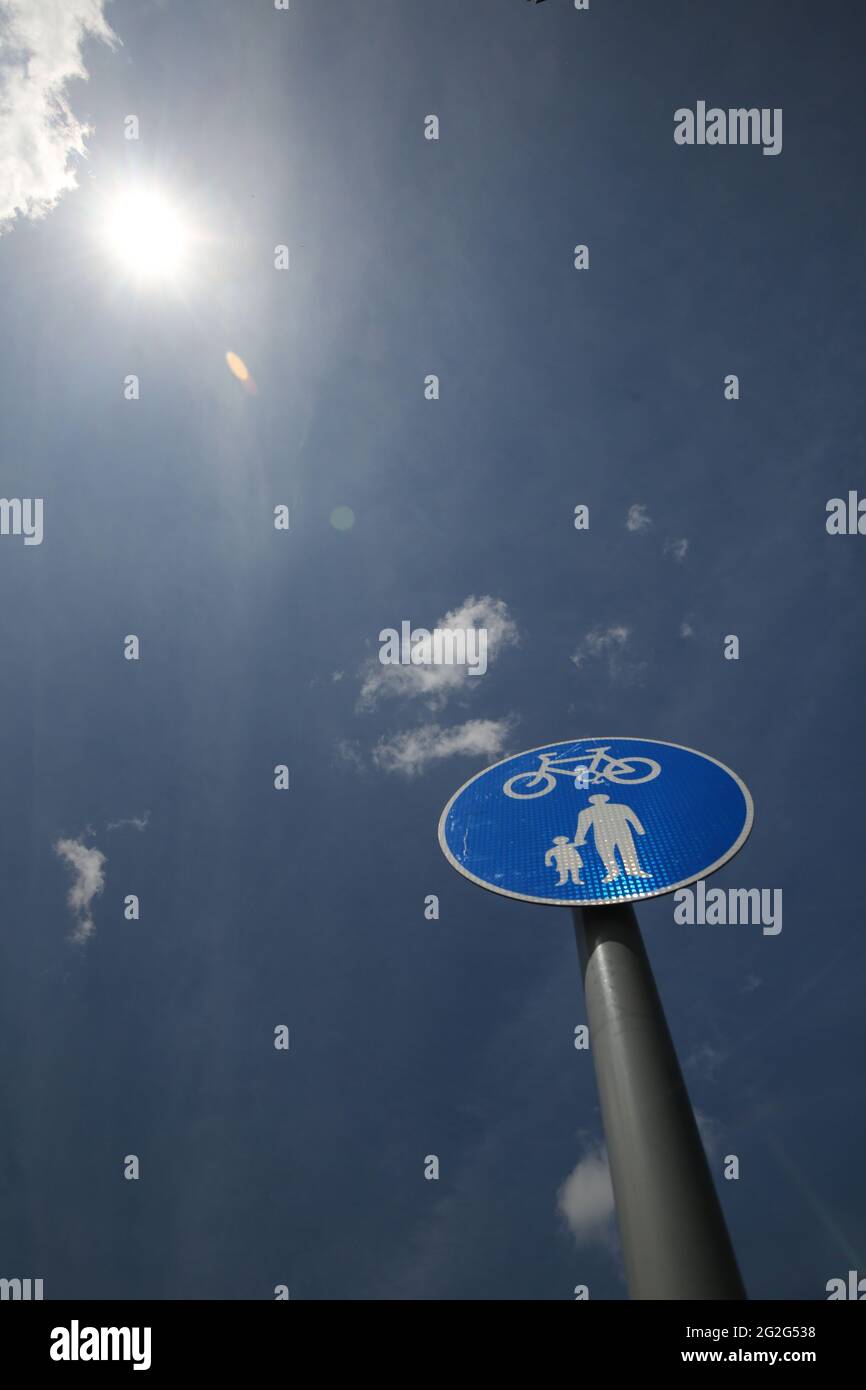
674	1239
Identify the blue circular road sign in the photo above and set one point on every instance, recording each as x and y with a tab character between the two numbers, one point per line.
596	820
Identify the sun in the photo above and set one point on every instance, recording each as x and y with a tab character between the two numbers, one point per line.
147	235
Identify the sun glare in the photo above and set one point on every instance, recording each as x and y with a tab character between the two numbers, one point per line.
147	236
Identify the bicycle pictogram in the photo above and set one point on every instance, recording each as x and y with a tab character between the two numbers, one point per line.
601	768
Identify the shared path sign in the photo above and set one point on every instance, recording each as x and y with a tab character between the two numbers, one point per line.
596	821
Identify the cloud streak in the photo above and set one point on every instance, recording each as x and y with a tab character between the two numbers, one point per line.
40	53
410	752
137	822
87	865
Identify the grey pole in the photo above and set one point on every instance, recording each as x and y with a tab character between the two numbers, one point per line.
674	1240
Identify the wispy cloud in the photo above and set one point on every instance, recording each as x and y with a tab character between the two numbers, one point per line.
137	822
410	752
679	549
706	1061
601	642
712	1134
40	53
638	518
686	629
609	647
585	1199
348	752
436	684
87	865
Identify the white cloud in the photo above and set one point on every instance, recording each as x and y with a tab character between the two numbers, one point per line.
411	751
638	518
608	646
86	863
679	549
40	52
686	629
437	683
586	1200
137	822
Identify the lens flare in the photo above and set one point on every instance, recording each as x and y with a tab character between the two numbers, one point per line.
237	366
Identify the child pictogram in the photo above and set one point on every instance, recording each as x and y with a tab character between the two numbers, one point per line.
567	860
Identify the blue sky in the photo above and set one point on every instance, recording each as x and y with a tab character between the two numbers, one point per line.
604	387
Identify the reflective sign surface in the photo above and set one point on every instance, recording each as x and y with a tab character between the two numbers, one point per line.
596	820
